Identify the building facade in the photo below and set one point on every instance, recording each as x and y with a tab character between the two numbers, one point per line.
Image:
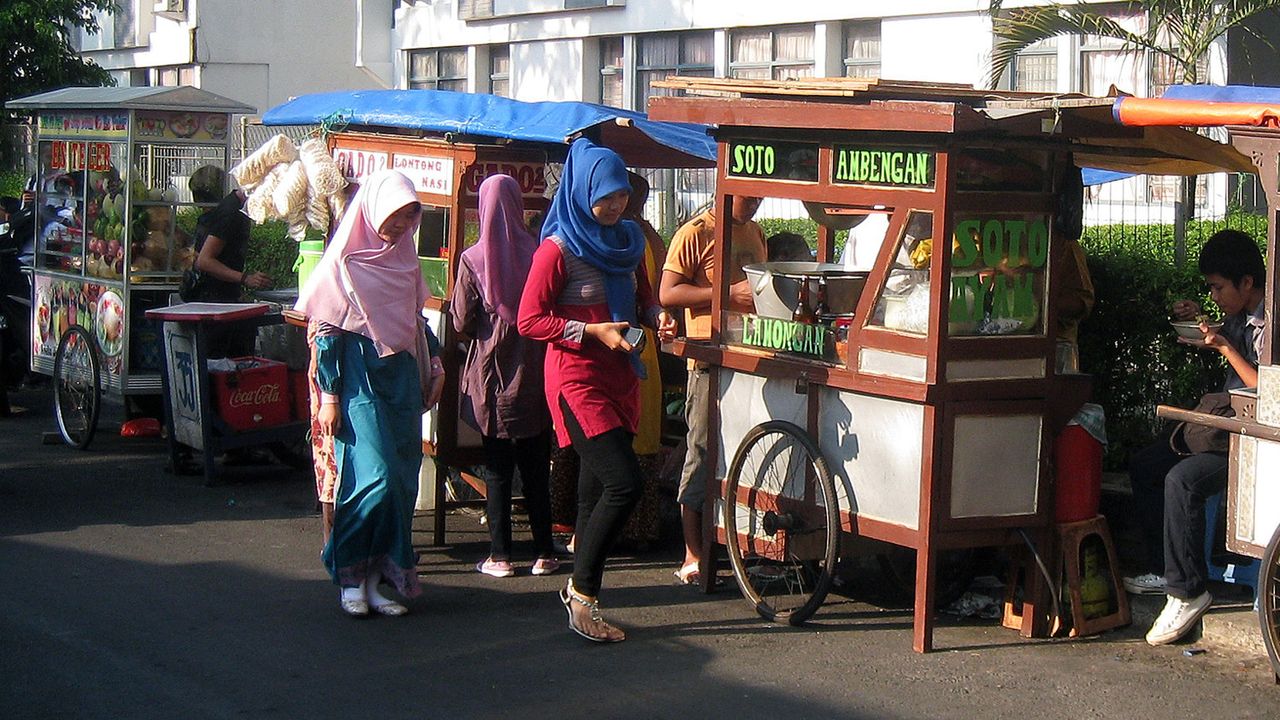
258	52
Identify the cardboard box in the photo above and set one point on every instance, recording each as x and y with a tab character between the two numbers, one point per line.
254	395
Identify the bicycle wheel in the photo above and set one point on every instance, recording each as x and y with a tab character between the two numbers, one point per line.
77	389
1269	601
781	522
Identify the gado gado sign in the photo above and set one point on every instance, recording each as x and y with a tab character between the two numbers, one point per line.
429	174
531	176
357	165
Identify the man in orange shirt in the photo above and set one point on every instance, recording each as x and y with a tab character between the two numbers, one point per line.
688	278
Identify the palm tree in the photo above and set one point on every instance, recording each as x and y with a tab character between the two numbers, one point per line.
1180	31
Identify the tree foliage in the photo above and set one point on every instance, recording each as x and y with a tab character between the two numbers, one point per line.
37	53
1180	30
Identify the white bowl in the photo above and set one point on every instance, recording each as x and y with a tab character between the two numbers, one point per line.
1190	329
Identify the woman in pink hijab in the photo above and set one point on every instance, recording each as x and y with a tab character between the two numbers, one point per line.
376	376
501	383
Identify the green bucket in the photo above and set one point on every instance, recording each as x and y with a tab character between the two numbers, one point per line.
436	272
309	254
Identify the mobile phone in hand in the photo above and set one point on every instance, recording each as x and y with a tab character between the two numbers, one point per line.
634	337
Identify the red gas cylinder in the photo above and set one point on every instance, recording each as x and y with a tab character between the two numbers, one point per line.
1078	458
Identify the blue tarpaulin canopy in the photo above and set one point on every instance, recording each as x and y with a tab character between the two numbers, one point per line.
640	141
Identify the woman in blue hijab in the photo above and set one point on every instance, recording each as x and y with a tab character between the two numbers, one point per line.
586	288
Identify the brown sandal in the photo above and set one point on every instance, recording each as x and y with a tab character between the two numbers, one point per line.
568	597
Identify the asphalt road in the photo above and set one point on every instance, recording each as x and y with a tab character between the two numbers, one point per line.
131	593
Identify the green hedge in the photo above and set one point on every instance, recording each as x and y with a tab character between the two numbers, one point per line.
1127	343
270	249
11	182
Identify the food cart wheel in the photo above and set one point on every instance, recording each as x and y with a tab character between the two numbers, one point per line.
77	389
781	522
1269	601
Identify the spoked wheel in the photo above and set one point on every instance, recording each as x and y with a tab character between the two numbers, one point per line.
77	389
781	522
1269	601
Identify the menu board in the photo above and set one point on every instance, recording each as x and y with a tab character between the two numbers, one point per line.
181	126
897	167
104	125
772	160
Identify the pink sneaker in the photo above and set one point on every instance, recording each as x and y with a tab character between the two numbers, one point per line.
495	568
546	566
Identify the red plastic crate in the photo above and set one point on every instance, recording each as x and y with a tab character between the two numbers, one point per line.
255	395
300	395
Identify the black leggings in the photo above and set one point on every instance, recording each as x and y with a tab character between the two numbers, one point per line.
502	457
609	486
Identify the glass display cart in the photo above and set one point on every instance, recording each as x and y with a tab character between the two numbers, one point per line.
913	401
115	233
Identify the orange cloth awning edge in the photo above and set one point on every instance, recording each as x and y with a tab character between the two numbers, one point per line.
1148	112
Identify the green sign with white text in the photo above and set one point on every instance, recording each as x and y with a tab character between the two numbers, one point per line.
882	166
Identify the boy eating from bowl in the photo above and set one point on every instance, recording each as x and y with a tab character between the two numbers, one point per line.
1171	488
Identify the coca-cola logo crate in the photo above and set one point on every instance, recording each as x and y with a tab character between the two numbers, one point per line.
254	395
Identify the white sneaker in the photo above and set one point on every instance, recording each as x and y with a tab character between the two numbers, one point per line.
1149	584
1177	618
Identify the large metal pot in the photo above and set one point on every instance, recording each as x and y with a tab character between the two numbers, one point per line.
776	287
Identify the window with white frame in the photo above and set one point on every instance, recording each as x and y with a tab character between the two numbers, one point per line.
175	76
688	54
771	53
1035	69
862	49
500	70
1106	61
117	28
438	69
612	80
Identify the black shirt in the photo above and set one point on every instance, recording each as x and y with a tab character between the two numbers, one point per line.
228	223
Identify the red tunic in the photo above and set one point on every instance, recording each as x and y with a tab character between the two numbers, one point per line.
562	295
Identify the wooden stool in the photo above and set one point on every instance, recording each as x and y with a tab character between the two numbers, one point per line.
1067	559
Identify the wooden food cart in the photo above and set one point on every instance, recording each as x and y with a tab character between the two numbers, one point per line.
916	406
114	170
1253	478
448	143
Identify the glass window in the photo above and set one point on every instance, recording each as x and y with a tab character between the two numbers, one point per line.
1035	69
862	49
438	69
904	301
612	81
659	56
999	265
500	70
780	54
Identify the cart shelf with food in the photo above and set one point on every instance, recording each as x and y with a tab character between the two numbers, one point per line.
1253	484
448	143
912	401
114	236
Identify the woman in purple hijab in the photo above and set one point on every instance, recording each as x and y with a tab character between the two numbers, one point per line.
501	386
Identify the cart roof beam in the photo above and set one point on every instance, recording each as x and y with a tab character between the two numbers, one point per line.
183	98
